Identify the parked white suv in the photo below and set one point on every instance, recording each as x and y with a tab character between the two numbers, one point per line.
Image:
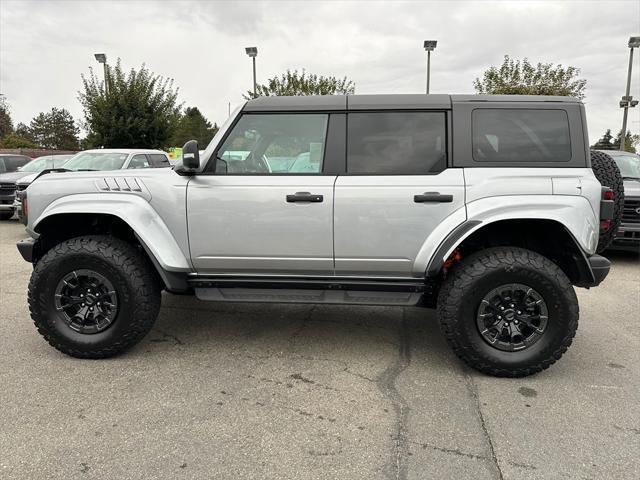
485	207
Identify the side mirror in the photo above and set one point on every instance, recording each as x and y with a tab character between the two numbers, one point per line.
191	155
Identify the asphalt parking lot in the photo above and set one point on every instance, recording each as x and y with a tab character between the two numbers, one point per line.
309	392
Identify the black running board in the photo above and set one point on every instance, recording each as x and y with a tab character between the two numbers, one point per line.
402	292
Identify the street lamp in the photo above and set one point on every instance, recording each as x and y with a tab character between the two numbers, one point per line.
102	58
253	53
628	101
429	46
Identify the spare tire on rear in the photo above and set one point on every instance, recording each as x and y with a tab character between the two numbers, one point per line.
608	174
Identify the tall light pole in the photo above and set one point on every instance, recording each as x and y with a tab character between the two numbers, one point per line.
628	101
253	53
102	58
429	46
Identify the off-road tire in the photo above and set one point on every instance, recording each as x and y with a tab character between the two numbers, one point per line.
124	266
6	215
608	174
470	280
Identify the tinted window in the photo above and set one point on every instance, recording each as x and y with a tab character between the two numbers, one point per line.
519	135
396	143
14	162
139	161
158	160
274	143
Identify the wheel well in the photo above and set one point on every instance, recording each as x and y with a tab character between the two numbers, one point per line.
546	237
61	227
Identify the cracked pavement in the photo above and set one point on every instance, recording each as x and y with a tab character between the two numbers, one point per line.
312	392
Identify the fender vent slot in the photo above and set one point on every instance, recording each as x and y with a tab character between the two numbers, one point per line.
119	184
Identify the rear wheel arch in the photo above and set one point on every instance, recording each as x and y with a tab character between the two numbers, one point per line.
547	237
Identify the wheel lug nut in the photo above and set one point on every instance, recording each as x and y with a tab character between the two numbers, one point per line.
519	312
501	308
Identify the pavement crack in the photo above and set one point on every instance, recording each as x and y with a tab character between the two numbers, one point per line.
386	382
453	451
473	391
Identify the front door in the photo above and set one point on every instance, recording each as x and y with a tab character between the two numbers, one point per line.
268	207
397	190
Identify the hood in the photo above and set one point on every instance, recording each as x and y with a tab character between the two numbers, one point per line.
27	179
632	188
11	177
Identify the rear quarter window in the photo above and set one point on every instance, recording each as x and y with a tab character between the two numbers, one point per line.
520	135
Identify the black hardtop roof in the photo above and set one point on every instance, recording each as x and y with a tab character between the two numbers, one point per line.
385	102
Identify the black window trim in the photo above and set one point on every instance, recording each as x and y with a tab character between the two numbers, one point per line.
448	127
525	163
206	170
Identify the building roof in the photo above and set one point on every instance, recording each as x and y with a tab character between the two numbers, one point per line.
384	102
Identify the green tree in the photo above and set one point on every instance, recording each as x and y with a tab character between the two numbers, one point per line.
139	110
13	140
294	83
516	77
630	141
23	131
604	143
192	125
6	124
55	130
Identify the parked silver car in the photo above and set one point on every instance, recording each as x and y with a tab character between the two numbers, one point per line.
485	207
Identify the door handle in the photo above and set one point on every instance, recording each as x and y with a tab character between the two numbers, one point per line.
304	197
433	197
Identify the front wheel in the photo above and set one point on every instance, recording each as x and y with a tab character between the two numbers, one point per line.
93	297
508	312
6	215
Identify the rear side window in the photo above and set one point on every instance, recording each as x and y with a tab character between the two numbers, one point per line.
520	135
139	161
396	143
158	160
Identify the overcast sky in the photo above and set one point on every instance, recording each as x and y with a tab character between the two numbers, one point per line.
46	45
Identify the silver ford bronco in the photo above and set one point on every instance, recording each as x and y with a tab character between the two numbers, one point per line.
487	208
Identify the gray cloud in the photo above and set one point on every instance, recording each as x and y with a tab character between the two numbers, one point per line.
46	45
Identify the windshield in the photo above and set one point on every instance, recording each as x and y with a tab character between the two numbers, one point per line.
97	161
49	161
629	165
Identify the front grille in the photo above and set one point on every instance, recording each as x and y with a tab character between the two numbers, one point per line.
631	210
7	188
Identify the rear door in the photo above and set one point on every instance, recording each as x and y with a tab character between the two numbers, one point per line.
397	189
267	207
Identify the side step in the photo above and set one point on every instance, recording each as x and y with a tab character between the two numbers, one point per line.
309	290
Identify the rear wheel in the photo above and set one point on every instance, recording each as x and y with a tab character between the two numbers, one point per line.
608	174
508	312
93	297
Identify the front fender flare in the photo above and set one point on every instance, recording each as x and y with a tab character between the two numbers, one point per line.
136	212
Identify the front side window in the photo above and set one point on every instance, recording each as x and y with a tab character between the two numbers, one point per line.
396	143
520	135
274	144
